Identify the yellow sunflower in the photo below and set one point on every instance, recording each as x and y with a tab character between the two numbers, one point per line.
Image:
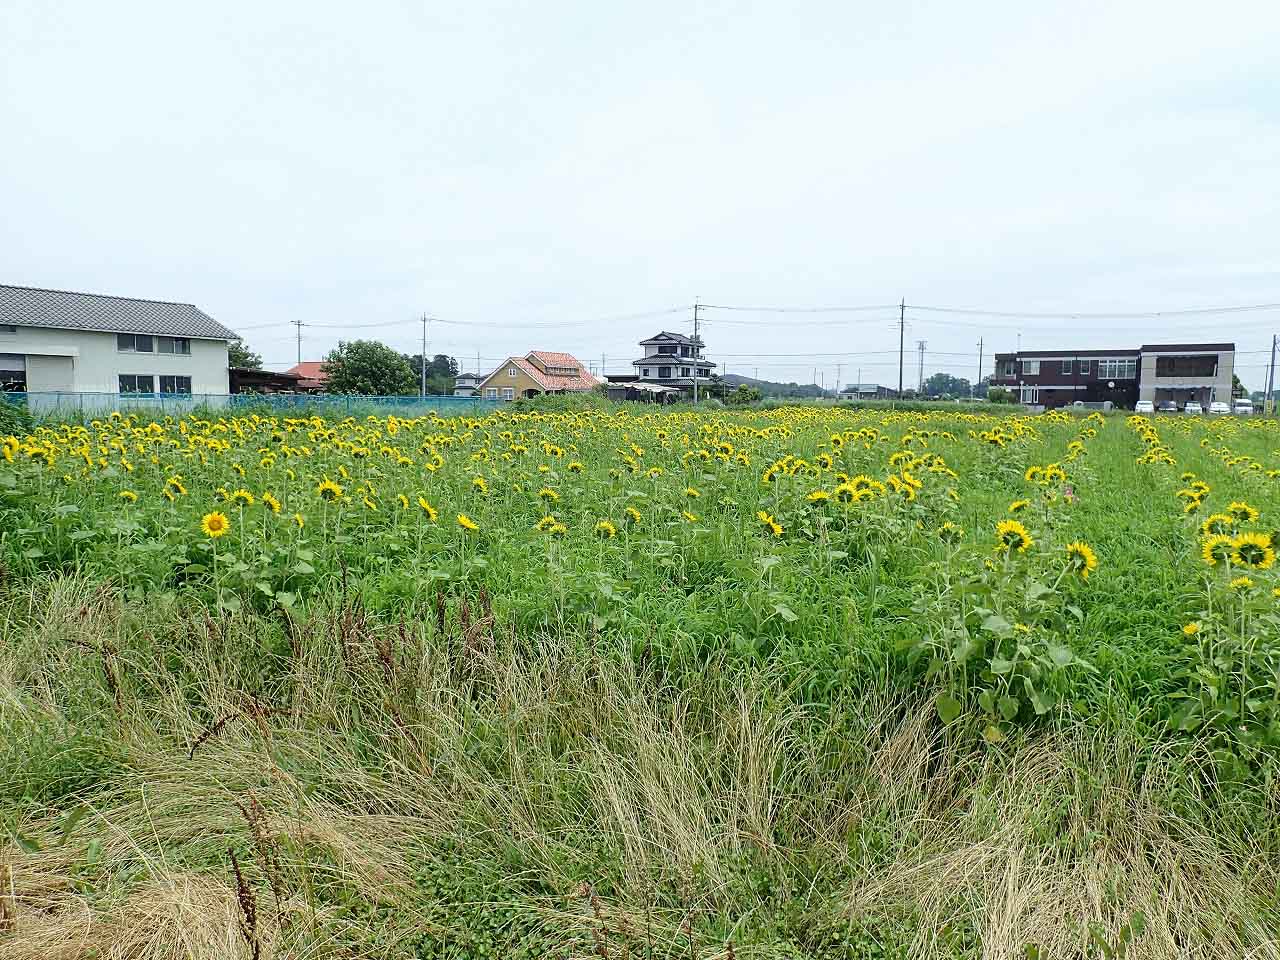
606	530
215	524
769	523
328	490
1011	535
1253	550
1082	558
1019	505
1242	511
1191	629
1215	548
466	523
1217	523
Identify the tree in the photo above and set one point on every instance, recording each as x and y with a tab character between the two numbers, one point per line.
1237	388
442	371
742	397
369	368
945	385
239	355
999	395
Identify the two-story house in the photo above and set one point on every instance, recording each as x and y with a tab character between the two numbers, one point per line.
1157	372
537	372
673	360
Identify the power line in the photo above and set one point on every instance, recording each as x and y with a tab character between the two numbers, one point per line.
1139	315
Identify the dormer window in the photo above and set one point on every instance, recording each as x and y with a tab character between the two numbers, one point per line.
511	371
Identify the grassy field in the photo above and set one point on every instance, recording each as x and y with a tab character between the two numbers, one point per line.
803	682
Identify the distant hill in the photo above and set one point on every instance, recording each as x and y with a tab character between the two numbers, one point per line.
771	388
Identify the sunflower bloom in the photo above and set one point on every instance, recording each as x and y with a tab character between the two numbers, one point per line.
328	490
270	502
1242	511
128	496
1081	558
1215	548
215	524
428	509
1011	535
1253	550
606	530
1191	629
1019	505
1241	583
769	523
466	523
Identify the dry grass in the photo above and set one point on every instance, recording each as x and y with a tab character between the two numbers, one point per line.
375	749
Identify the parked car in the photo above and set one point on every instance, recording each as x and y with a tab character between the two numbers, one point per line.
1218	408
1144	406
1242	407
1167	406
1193	407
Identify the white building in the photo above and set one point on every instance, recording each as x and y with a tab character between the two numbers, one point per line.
55	341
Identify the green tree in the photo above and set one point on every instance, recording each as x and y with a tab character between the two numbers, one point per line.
442	371
743	396
369	368
999	395
1237	388
945	385
239	355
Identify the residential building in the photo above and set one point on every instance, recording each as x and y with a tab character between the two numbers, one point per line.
244	380
467	384
537	372
311	374
1160	373
61	341
672	360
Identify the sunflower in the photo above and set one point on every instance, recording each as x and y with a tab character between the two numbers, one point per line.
1242	511
270	502
1217	523
606	530
1034	474
549	495
546	523
693	493
1253	550
129	496
818	496
632	514
215	524
688	517
328	490
369	504
1012	536
769	523
1081	558
1191	506
1192	628
1019	505
575	467
950	532
480	484
466	523
403	501
428	509
241	498
1241	583
1215	548
300	520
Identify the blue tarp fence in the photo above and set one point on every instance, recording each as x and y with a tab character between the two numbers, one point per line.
64	404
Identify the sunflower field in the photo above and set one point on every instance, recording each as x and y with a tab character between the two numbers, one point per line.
807	681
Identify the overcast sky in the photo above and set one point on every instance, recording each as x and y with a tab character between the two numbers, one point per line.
507	165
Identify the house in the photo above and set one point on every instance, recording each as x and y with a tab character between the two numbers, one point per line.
311	375
536	373
1161	373
638	392
867	391
672	360
467	385
244	380
54	341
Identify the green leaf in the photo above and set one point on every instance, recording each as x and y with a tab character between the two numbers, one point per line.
993	734
1075	612
286	599
1061	655
264	588
785	612
303	568
997	624
987	701
69	824
1009	707
1036	590
76	535
26	843
228	601
302	553
35	553
949	708
999	665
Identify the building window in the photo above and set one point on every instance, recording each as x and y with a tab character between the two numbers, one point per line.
170	384
180	345
137	383
7	329
664	373
508	393
1066	366
511	371
1030	394
684	371
491	393
1121	369
644	372
135	343
1006	368
13	373
1031	368
1084	367
1194	366
667	350
684	351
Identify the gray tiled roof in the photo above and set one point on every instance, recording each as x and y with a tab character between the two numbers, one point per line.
34	307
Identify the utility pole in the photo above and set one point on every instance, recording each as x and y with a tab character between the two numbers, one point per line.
696	342
858	389
902	327
920	388
299	324
1270	405
839	368
602	366
424	356
974	391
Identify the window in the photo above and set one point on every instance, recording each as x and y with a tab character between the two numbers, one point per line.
1205	366
684	351
1031	368
135	343
174	345
684	371
491	393
644	372
1084	367
13	373
7	328
170	384
1121	369
511	371
664	373
1030	395
1006	368
667	350
508	393
1066	366
137	383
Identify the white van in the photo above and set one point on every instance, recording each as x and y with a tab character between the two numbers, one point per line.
1242	407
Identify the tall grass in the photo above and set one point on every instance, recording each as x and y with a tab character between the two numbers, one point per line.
436	784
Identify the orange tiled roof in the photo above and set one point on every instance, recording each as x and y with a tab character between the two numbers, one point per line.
550	381
309	370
